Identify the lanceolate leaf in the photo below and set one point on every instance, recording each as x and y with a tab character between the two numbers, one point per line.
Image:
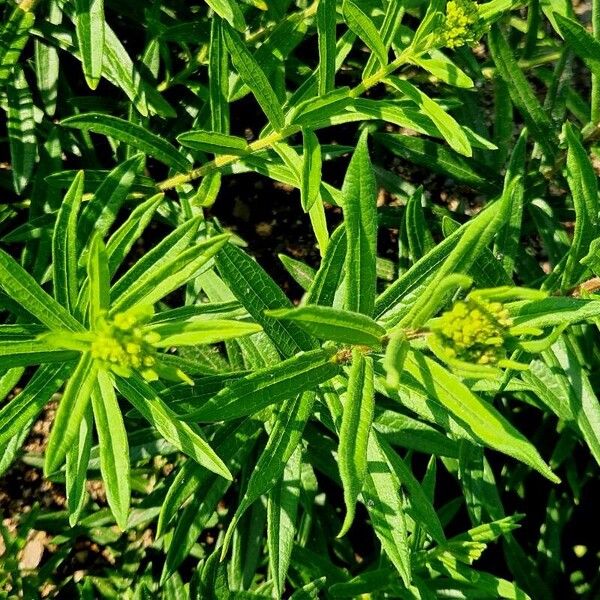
114	448
365	29
284	438
180	434
89	21
480	418
77	459
311	170
230	11
21	129
129	133
210	141
254	77
538	123
586	46
64	246
22	288
13	37
360	221
267	386
326	20
257	292
333	324
71	410
354	432
583	182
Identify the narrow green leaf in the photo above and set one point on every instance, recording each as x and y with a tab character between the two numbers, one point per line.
420	240
22	288
282	509
30	352
77	459
326	21
26	405
114	447
507	242
21	129
583	183
553	311
354	432
284	438
537	120
122	240
168	275
584	45
64	246
13	37
254	77
311	170
449	128
270	385
194	332
445	70
211	141
303	274
440	160
482	421
131	134
180	434
99	279
360	220
71	411
257	292
89	26
326	323
100	212
383	499
365	29
230	11
218	79
330	273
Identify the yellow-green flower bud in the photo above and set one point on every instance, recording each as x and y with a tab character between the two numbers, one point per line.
462	24
474	331
122	345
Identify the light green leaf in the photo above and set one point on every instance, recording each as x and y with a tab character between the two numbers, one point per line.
64	246
131	134
89	26
270	385
254	77
311	170
583	183
21	129
482	421
360	220
326	323
218	79
303	274
584	45
449	128
71	411
230	11
99	280
178	433
13	37
77	459
445	70
211	141
22	288
282	509
365	29
193	332
355	428
114	447
326	22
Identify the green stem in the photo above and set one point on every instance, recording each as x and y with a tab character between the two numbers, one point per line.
272	138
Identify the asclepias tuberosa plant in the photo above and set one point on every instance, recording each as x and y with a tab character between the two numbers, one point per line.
387	403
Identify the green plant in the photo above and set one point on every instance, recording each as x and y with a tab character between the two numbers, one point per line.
368	440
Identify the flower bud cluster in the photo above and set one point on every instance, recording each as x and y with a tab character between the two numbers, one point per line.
474	331
122	345
462	24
